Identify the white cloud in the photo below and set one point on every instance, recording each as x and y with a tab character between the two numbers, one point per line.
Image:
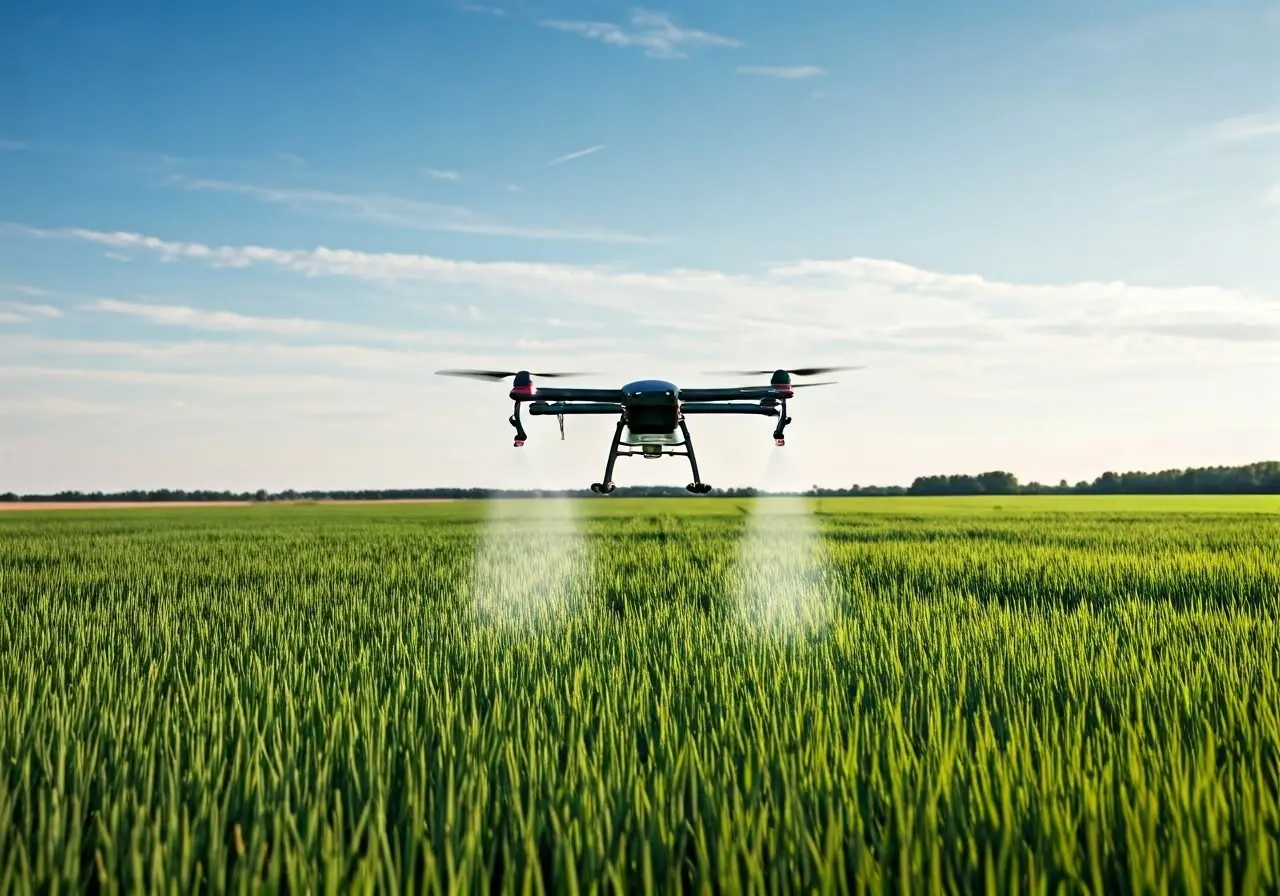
964	373
401	212
229	382
238	357
442	174
1244	127
870	305
25	289
291	158
654	32
13	145
484	10
575	155
791	71
234	322
25	312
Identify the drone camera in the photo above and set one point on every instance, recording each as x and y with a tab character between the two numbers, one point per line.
518	443
651	450
780	441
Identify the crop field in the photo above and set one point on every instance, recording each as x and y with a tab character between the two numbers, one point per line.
1057	695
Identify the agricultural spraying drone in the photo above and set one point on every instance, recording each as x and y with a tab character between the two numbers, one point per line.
651	412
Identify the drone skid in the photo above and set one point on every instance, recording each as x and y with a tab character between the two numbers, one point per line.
697	487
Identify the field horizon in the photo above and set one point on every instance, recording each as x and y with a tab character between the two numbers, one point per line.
895	504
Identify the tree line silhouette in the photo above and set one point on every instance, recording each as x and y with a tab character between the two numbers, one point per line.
1250	479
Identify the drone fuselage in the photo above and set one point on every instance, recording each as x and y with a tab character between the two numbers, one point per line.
651	412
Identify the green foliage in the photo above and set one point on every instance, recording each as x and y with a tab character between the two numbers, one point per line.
303	698
1258	478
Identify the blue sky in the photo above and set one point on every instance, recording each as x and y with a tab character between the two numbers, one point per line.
236	241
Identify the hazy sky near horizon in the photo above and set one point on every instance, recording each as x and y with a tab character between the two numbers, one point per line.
237	239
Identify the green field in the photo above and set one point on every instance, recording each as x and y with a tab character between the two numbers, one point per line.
1057	694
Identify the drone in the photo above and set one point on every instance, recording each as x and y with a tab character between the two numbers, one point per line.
651	413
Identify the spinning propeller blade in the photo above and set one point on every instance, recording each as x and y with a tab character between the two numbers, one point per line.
799	371
497	374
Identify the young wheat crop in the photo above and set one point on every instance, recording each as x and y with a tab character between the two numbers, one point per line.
306	698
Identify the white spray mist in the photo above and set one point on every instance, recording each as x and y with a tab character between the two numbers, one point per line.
527	556
779	579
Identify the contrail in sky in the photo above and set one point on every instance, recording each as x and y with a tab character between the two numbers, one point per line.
575	155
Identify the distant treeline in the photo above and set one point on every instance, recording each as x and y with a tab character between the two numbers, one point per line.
1253	479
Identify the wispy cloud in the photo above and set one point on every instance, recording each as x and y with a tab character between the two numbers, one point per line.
13	145
291	158
482	9
401	212
25	289
1244	127
234	322
654	32
575	155
785	71
25	312
442	174
814	302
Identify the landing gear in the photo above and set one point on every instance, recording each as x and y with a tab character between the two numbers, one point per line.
697	487
783	420
606	486
514	420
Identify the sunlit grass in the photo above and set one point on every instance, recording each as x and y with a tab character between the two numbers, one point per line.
304	697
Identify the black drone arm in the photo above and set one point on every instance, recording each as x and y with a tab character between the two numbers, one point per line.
738	393
554	394
698	407
542	409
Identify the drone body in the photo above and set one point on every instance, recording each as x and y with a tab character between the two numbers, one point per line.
651	413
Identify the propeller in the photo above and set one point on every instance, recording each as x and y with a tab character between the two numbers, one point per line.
497	374
799	371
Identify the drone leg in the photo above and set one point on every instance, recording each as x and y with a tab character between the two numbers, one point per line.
515	421
783	420
605	487
697	487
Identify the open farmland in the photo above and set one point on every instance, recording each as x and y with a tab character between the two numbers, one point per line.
937	694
